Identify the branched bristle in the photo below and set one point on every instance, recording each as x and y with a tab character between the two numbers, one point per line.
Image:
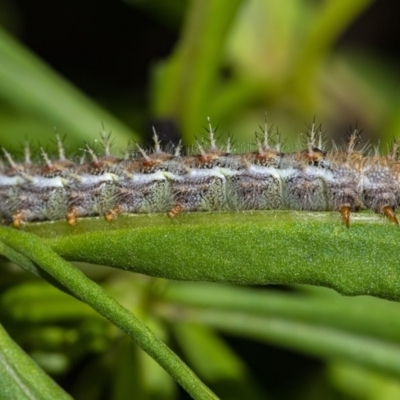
266	132
144	154
45	157
320	140
106	141
228	146
394	150
211	132
27	154
311	137
92	153
259	147
127	154
354	139
178	149
82	159
9	158
156	140
61	152
200	147
278	142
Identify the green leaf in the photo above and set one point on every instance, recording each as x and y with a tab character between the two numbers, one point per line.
247	248
21	378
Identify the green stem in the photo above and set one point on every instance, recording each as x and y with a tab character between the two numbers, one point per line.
83	288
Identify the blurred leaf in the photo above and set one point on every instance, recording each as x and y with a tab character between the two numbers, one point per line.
32	87
159	385
136	372
127	376
264	39
323	30
168	13
216	363
40	302
364	315
21	378
93	379
363	383
182	86
320	341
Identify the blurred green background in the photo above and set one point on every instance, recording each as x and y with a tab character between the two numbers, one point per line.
171	64
134	64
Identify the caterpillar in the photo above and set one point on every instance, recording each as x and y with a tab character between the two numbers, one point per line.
212	179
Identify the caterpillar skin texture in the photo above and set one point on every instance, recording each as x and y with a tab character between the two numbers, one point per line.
344	180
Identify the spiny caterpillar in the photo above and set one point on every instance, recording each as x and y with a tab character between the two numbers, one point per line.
213	179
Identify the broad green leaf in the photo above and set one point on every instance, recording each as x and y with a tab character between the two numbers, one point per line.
21	378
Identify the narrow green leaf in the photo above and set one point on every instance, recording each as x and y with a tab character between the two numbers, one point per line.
89	292
249	248
21	378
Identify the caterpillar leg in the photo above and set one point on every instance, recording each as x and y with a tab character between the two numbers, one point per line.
345	213
113	213
18	219
72	216
389	213
175	210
